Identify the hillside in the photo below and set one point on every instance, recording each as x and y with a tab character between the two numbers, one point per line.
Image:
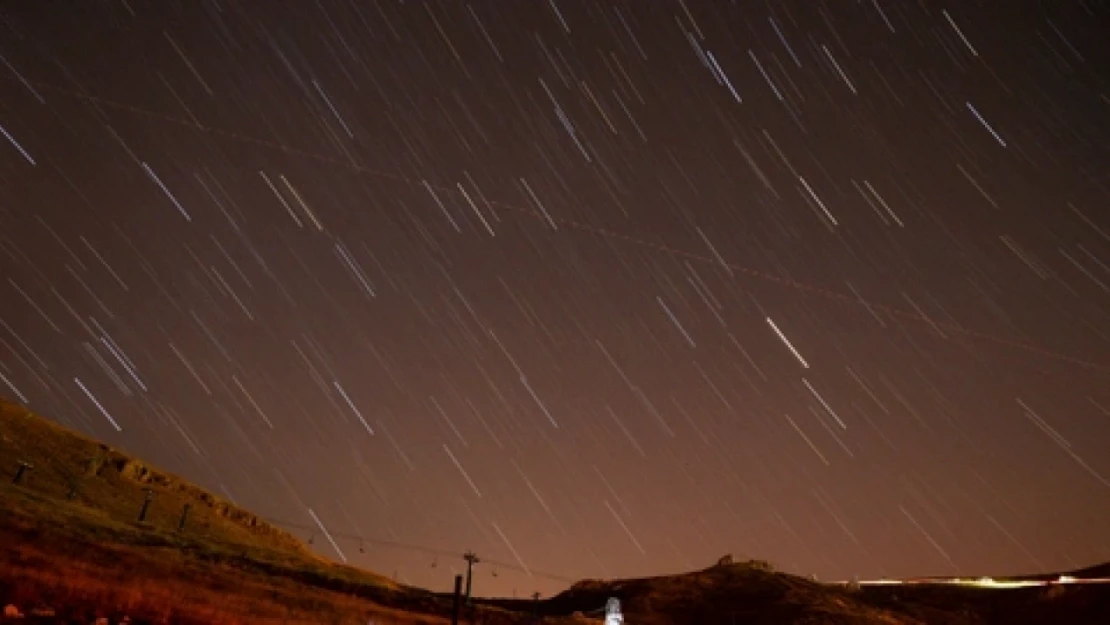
68	466
71	543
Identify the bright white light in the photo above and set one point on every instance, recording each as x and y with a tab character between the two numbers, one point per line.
613	614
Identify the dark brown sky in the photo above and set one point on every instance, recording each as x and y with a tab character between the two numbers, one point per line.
590	288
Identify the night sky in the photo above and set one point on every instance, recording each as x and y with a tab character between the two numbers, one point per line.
593	289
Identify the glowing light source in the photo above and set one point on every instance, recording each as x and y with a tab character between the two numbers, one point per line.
613	614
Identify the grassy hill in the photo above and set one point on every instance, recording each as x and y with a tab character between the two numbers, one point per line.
71	543
111	486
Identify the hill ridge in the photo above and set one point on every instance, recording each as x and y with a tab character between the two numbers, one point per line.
101	457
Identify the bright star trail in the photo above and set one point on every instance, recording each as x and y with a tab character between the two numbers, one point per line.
591	289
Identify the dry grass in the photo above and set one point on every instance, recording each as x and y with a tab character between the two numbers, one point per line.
49	567
111	486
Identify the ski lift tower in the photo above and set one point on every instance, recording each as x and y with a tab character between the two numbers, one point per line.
613	614
471	560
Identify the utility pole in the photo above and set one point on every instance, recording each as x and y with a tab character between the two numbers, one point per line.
184	515
455	606
21	471
146	504
471	560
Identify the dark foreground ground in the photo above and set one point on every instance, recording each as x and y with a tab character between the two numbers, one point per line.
751	594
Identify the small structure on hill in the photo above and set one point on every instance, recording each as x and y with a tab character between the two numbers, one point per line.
725	560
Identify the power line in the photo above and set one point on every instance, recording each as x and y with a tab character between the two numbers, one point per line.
68	475
432	551
576	225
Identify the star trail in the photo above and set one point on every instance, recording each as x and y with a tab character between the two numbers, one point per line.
592	289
